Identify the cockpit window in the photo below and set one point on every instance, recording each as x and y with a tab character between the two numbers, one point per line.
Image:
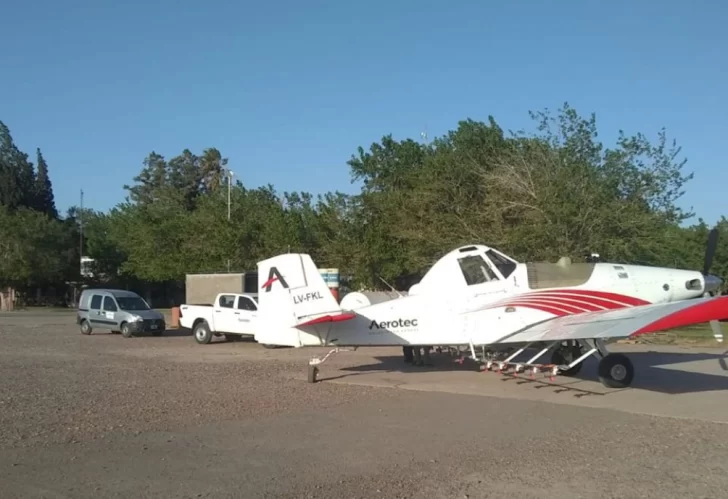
504	266
476	270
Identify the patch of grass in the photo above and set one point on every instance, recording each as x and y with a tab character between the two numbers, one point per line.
697	334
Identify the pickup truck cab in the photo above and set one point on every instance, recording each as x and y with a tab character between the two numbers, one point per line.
232	315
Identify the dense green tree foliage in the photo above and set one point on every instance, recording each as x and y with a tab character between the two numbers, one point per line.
538	196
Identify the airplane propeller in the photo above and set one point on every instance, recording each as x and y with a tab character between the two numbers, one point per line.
712	283
710	248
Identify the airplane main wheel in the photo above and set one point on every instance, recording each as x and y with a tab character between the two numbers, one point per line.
565	356
312	374
616	371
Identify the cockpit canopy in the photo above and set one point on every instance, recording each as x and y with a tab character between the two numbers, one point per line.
468	265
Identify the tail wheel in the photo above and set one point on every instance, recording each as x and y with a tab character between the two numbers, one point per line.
616	371
202	333
86	327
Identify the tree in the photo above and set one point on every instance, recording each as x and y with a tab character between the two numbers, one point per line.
44	199
17	178
34	251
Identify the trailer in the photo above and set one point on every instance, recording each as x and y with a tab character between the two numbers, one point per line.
202	289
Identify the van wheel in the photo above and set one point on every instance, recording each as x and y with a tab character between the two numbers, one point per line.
202	333
86	327
125	330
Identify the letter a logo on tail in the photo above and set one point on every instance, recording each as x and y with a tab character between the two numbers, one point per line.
273	276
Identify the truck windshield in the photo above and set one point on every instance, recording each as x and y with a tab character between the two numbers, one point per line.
129	303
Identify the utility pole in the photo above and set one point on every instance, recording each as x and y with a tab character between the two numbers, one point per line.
229	182
80	242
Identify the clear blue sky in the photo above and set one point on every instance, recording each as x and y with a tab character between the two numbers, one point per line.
288	90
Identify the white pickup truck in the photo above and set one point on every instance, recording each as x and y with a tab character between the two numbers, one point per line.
231	315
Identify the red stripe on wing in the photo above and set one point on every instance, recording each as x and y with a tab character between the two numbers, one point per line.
711	310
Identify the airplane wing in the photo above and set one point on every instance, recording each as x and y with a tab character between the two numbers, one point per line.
627	322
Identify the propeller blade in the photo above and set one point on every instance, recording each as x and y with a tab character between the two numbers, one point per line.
717	331
710	248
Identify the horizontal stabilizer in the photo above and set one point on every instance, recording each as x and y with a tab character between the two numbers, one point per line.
344	316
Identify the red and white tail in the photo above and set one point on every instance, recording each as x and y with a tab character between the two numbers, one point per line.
294	294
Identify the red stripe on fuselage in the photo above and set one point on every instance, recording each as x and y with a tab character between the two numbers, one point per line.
605	295
562	302
562	305
543	308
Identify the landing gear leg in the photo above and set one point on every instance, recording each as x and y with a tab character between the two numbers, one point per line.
615	370
565	355
313	364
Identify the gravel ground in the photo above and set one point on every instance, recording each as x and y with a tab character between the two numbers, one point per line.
104	416
62	387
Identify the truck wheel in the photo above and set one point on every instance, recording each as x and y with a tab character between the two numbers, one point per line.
202	333
85	327
125	330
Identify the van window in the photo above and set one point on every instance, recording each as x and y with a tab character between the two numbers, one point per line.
109	304
96	302
132	303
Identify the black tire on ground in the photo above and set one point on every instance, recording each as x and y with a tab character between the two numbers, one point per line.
158	332
126	330
86	327
616	371
567	355
312	374
202	333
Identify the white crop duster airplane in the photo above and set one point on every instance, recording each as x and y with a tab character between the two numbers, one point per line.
477	296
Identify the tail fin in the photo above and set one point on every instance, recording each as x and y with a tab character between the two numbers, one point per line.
294	294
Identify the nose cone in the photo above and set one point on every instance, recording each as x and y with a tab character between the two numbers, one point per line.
712	283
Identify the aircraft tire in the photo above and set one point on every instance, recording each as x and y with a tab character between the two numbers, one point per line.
616	371
567	355
312	374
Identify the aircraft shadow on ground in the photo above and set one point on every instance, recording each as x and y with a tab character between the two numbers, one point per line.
654	371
